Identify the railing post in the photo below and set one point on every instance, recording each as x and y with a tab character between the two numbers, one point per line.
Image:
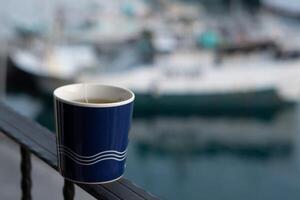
68	190
3	68
26	174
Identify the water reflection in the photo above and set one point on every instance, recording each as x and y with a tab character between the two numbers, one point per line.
217	158
197	136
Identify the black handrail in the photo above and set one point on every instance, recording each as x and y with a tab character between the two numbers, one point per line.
39	141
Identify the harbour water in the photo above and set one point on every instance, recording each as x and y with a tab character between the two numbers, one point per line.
195	157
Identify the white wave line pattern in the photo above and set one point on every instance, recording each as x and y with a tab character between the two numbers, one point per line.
92	156
90	160
82	163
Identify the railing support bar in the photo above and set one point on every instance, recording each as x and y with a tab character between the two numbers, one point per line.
68	190
26	182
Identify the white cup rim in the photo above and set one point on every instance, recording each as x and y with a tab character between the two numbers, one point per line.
58	94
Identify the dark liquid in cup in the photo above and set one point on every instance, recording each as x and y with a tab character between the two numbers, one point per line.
97	100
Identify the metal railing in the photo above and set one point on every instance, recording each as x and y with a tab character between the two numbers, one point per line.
37	140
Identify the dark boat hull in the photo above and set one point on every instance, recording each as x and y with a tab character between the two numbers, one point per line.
19	79
243	103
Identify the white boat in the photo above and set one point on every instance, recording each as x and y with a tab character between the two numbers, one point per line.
182	81
53	66
192	82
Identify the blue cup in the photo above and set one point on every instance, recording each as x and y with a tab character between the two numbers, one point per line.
92	138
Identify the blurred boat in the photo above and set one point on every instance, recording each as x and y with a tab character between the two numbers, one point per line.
51	67
176	83
193	83
184	77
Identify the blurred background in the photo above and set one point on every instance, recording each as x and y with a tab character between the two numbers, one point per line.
216	81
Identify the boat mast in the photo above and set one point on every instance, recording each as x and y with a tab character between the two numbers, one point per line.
56	37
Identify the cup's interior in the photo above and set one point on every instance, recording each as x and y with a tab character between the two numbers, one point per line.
74	92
